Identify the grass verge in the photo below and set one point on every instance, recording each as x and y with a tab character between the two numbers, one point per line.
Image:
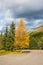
3	52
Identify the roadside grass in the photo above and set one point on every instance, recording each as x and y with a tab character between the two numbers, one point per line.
3	52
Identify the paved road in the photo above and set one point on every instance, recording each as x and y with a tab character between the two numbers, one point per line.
32	58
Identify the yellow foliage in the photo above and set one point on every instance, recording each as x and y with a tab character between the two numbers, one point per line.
21	36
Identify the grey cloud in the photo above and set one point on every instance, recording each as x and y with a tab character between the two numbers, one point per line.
24	8
31	10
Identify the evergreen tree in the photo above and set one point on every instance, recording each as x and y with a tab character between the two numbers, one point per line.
4	40
8	38
12	36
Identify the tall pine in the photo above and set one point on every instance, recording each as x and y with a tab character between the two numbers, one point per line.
8	38
4	39
12	36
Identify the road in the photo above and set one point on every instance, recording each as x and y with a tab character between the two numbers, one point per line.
35	57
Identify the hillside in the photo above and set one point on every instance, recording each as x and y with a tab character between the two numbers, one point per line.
36	38
38	29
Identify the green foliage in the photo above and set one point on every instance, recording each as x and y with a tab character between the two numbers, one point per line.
8	38
12	36
20	39
1	41
33	43
36	40
4	40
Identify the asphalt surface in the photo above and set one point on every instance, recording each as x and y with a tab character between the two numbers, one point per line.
34	57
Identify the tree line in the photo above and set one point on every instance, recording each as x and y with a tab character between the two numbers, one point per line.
7	39
13	39
19	38
36	40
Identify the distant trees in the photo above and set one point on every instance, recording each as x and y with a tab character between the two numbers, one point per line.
41	42
15	39
33	43
1	40
36	40
21	36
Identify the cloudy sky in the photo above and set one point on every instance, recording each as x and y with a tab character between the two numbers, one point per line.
12	10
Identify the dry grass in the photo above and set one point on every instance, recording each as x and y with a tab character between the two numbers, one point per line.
3	52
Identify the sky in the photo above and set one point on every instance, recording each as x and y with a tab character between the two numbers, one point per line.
12	10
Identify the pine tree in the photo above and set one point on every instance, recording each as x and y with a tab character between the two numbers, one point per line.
8	38
4	40
21	36
12	36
